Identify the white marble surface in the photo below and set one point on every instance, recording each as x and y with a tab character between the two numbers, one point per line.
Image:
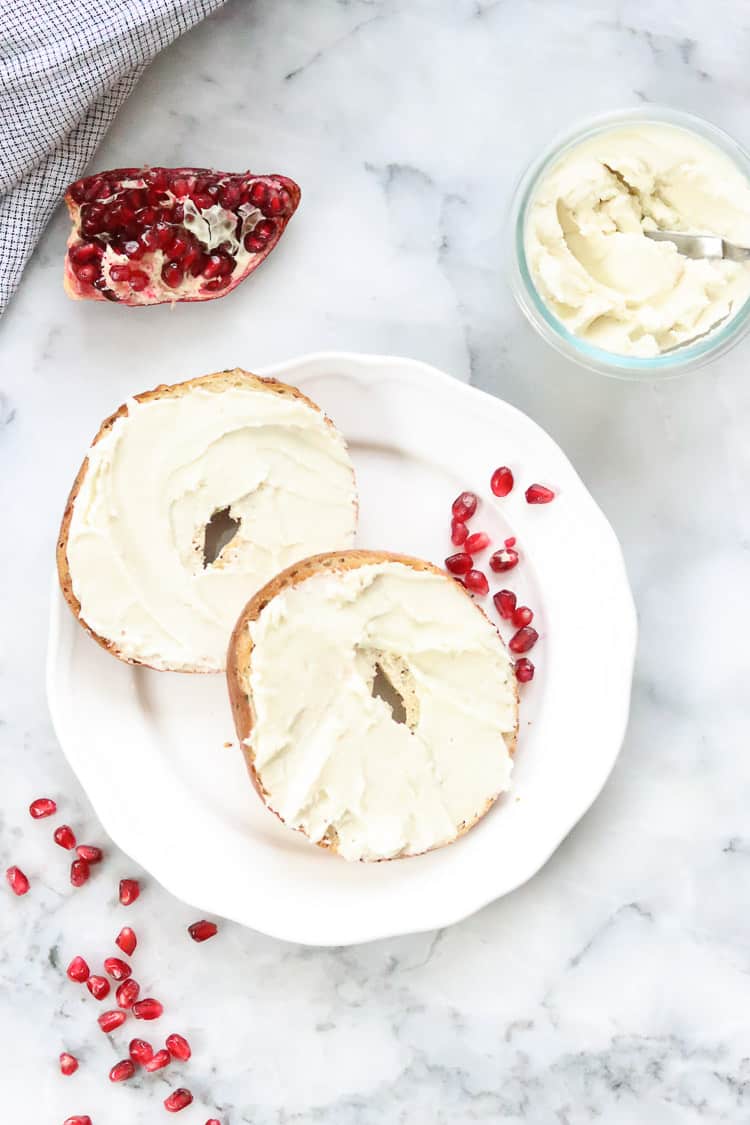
616	985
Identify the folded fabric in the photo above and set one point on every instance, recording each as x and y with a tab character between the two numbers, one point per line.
66	67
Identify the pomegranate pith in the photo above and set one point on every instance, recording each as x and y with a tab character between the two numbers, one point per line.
504	560
505	604
459	564
459	532
203	930
117	968
130	889
477	542
464	506
178	1100
43	806
78	970
127	940
476	581
65	837
158	1061
122	1070
110	1021
68	1064
79	872
127	993
178	1047
539	494
98	987
17	881
195	233
501	482
148	1009
140	1051
523	640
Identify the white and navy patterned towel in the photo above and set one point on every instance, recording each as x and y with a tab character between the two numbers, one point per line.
66	67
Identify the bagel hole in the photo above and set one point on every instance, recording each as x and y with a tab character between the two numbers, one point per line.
383	688
220	530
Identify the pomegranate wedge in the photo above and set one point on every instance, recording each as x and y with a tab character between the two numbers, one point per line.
143	236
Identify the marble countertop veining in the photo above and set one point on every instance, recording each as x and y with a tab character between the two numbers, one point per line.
615	986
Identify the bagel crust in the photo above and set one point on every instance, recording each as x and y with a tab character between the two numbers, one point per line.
240	666
217	383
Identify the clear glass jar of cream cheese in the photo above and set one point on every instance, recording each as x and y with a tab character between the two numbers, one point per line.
583	271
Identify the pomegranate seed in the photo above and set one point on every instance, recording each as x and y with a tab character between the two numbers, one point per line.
177	1100
192	256
17	881
148	1009
117	969
79	872
502	481
129	891
121	1071
90	853
98	987
109	1021
178	1047
178	247
522	616
275	204
158	1061
88	273
539	494
258	194
65	837
147	216
229	196
265	230
477	582
173	275
127	993
84	252
202	200
464	506
504	560
162	235
77	191
524	670
523	640
510	542
140	1051
203	930
505	604
459	532
43	806
120	273
253	244
213	1121
138	281
216	284
78	970
479	541
68	1064
459	563
157	178
136	198
126	940
77	1120
134	249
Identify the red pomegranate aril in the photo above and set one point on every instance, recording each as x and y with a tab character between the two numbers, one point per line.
459	532
117	968
119	273
523	640
178	247
258	194
78	970
130	889
510	542
17	881
110	1021
134	249
157	178
275	205
79	872
203	200
173	275
459	563
216	284
65	837
178	1047
213	1121
524	670
178	1100
84	252
464	506
78	191
203	930
41	807
126	940
146	217
539	494
138	281
502	481
127	993
253	244
98	987
230	196
212	267
180	187
504	560
136	198
192	255
505	604
77	1120
477	582
121	1071
88	273
523	616
158	1061
68	1064
163	235
140	1051
148	1009
479	541
90	853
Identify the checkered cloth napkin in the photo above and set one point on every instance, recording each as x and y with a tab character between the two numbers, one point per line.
66	67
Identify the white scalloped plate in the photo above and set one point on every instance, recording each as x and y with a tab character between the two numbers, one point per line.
417	438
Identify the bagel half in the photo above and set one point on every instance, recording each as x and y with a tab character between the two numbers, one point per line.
327	751
131	551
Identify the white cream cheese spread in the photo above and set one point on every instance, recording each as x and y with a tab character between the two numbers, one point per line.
330	753
136	540
591	262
